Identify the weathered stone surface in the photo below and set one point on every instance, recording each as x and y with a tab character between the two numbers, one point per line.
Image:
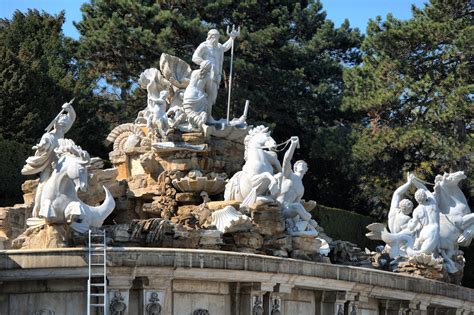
347	253
309	245
191	137
299	254
12	223
218	205
268	219
210	237
45	236
283	242
150	164
120	233
29	190
428	272
188	198
226	156
183	238
248	239
276	252
153	208
143	186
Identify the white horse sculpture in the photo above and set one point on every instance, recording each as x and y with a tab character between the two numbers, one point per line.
59	201
256	177
457	221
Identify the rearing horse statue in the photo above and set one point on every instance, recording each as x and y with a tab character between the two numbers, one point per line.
256	177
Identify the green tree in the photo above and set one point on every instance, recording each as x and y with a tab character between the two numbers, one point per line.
120	39
38	73
414	90
288	62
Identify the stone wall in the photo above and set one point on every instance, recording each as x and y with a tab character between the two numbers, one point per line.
185	281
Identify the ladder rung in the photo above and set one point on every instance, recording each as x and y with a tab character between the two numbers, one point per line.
97	305
98	264
97	254
97	284
97	244
97	294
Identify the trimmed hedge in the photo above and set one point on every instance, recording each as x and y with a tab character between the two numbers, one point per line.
344	225
12	158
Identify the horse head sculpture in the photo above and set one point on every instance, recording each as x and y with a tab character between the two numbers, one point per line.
256	177
59	200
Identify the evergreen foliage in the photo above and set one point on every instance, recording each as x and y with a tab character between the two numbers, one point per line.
288	62
414	90
38	73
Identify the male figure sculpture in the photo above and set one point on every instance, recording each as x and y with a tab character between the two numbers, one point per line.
425	221
400	209
212	51
195	99
292	190
44	156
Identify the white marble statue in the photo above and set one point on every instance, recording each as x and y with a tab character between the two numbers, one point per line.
299	220
213	52
63	167
424	223
195	98
154	115
44	157
439	224
400	209
257	176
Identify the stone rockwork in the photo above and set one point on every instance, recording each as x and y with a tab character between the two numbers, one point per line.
13	223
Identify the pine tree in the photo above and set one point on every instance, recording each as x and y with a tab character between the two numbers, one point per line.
120	39
288	62
39	73
415	90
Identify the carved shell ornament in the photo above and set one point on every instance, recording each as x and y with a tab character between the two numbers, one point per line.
120	134
230	220
175	70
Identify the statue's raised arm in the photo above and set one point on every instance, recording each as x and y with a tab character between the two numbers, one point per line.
286	166
41	161
400	208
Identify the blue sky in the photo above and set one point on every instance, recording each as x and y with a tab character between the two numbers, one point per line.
357	11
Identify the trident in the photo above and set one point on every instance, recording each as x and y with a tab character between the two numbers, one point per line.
236	33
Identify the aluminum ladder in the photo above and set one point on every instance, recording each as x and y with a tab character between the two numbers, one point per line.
97	282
